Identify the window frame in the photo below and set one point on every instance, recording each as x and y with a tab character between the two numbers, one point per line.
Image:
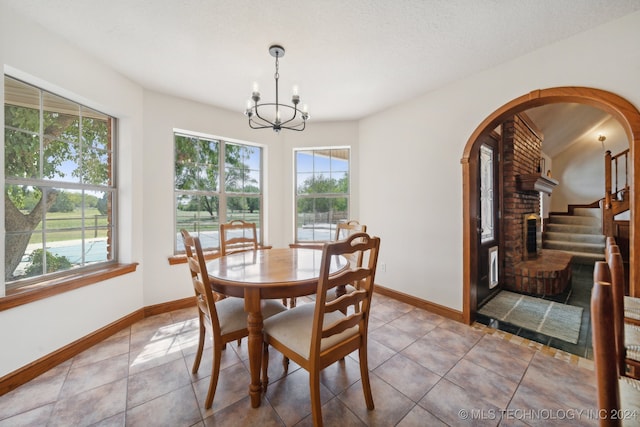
298	196
87	272
222	194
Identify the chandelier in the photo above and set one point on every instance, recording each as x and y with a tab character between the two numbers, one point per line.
255	110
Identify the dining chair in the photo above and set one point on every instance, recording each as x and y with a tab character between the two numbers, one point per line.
224	317
627	336
627	331
631	304
343	230
319	334
238	236
241	236
616	395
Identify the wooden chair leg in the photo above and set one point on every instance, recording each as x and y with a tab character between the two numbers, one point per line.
364	374
196	362
316	404
215	372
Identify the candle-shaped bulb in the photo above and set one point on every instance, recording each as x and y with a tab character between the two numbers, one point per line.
295	90
256	88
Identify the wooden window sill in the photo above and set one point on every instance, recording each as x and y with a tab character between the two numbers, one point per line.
46	289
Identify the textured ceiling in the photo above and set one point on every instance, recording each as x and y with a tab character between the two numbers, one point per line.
349	58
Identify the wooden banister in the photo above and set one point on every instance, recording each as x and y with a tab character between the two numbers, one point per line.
615	197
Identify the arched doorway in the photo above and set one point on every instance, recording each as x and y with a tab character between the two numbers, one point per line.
619	108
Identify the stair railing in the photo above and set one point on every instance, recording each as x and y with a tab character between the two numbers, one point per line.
614	167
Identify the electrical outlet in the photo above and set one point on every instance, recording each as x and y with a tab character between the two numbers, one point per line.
382	267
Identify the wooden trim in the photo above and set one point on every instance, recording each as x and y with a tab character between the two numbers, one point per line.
25	374
621	109
420	303
53	287
165	307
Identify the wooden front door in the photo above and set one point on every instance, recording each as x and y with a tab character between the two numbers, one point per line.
489	218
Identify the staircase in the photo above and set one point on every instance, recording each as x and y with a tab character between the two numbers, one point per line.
579	234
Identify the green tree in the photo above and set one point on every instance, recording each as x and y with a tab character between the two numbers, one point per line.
321	185
101	204
63	203
54	263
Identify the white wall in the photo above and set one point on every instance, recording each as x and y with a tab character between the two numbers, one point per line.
31	331
580	168
410	183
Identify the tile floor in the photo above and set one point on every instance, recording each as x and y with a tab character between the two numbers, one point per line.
426	370
579	294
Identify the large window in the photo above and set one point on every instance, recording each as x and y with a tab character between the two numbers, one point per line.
201	165
322	192
59	185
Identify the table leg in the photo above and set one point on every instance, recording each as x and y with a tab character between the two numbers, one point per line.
254	325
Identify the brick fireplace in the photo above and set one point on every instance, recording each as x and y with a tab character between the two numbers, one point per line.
528	268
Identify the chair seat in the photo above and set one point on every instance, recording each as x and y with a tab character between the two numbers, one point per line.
293	328
631	335
632	307
233	318
630	400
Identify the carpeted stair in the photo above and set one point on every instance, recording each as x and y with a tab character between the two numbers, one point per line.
579	234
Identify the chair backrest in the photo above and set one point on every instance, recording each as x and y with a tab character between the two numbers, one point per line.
616	267
238	236
205	296
604	351
345	229
360	298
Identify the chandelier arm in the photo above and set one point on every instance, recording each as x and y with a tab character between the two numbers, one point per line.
255	108
295	113
251	125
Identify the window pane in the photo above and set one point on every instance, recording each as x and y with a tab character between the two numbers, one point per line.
340	160
244	208
61	161
21	154
242	168
95	129
304	161
22	106
486	193
61	118
196	164
198	215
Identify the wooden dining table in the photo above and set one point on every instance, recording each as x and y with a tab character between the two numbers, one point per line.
266	274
